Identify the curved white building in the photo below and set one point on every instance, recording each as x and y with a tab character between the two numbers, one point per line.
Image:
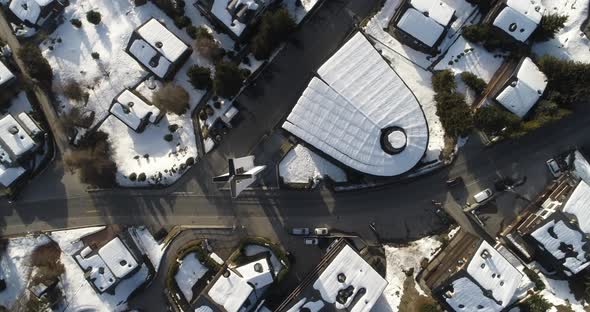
361	113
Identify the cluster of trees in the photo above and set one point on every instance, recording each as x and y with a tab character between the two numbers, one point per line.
171	98
567	80
207	46
93	161
493	39
272	30
550	25
36	65
228	79
476	84
454	113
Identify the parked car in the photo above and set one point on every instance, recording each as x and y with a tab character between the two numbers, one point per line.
554	168
300	231
483	196
321	231
454	181
311	241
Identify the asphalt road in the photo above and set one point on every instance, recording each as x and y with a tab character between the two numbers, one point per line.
401	211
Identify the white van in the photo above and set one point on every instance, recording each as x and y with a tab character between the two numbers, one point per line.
483	196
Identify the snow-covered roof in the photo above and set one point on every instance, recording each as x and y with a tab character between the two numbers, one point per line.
230	292
132	110
14	137
421	27
219	9
359	95
494	275
145	54
26	10
553	235
520	18
257	273
118	258
163	40
579	205
5	74
9	174
439	11
28	123
581	167
522	94
346	270
99	273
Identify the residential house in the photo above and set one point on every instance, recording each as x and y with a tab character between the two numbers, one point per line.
237	289
472	275
134	111
343	280
6	76
523	89
158	49
422	24
517	18
236	17
34	14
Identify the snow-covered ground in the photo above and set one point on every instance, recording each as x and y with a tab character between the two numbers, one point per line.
420	83
69	50
570	42
399	261
377	28
189	273
299	12
301	165
78	292
151	248
558	293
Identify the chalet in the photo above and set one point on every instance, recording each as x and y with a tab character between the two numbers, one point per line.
343	280
19	138
106	267
34	14
158	49
234	16
134	111
422	24
237	289
472	275
523	89
517	18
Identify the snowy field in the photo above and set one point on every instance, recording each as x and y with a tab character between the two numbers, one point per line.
79	294
570	42
189	273
69	50
301	165
376	28
399	261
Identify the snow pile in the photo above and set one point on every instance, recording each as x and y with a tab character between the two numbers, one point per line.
399	261
301	165
14	265
558	293
570	43
189	273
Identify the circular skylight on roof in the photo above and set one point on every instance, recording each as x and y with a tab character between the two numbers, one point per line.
512	27
159	44
393	140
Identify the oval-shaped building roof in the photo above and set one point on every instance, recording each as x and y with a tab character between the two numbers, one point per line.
356	97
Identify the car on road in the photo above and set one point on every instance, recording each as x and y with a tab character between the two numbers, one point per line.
483	196
321	231
311	241
300	231
554	168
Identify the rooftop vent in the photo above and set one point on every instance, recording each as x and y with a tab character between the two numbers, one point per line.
159	44
512	27
13	130
258	267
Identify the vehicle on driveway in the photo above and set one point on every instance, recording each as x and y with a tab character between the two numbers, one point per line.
483	196
311	241
321	231
553	167
300	231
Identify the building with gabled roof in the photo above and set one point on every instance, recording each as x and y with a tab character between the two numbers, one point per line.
344	281
6	76
158	49
422	23
523	89
361	113
34	13
135	112
517	18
